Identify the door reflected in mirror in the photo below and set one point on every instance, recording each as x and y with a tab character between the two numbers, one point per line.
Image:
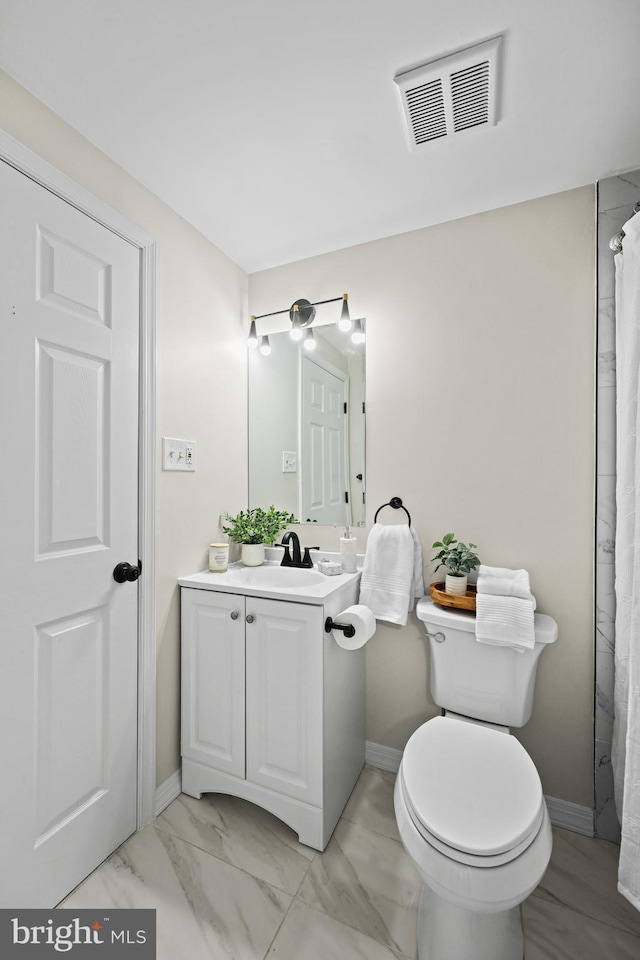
307	427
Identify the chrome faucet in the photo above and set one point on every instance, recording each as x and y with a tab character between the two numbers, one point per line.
296	560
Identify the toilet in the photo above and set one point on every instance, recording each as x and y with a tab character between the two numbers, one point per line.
468	798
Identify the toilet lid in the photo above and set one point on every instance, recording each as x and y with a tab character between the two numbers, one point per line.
472	787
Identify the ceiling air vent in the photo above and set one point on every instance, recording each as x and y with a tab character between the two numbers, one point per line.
455	93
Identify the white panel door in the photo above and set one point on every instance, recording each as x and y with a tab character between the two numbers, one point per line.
284	694
69	322
324	478
213	679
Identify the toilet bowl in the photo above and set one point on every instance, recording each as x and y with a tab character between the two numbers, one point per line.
468	799
472	817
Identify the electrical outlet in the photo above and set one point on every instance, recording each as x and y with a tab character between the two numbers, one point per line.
178	454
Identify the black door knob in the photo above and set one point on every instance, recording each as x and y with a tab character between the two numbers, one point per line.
126	571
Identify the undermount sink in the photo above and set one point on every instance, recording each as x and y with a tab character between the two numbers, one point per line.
276	576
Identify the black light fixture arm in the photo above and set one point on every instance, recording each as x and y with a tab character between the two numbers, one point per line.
275	313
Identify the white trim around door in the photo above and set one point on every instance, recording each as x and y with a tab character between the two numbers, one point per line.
21	158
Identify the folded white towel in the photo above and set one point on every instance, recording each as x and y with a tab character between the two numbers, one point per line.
503	572
502	582
391	572
505	621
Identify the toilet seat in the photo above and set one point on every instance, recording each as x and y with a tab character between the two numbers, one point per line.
471	791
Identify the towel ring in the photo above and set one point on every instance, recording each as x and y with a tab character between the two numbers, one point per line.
396	503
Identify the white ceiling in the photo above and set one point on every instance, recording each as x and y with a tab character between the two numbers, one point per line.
274	126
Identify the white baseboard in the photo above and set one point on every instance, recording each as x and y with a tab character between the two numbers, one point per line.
385	758
168	790
569	816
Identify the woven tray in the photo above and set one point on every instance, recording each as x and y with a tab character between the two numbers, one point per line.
464	602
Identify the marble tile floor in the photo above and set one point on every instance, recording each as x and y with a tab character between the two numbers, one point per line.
231	882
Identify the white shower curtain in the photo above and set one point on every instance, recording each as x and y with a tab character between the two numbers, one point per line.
626	732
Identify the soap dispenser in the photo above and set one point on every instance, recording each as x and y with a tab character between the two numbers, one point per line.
348	550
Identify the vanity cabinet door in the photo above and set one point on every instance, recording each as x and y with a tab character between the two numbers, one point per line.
213	679
284	697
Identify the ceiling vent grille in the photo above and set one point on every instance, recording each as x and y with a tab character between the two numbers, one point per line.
455	93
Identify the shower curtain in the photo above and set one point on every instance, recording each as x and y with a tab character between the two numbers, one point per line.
626	732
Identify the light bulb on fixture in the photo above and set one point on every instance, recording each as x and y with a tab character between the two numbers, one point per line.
296	326
309	341
252	339
265	346
358	335
344	323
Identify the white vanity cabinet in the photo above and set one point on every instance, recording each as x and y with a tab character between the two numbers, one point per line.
272	707
213	668
284	702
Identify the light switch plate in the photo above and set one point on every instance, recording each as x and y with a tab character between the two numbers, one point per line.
178	454
289	461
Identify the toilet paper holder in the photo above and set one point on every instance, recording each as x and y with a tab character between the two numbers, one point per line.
347	628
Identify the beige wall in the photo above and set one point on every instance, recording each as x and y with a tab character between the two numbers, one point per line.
480	415
201	374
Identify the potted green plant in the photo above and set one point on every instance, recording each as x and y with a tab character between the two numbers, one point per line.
459	559
254	528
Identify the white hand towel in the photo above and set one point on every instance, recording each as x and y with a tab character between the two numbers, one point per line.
502	582
418	572
389	580
505	621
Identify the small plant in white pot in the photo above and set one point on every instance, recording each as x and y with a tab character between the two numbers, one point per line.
459	559
254	528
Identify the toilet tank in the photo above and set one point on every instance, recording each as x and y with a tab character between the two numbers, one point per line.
481	680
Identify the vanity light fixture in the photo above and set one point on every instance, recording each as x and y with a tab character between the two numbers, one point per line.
302	314
265	346
309	340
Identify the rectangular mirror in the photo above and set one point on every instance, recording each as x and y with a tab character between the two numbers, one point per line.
307	427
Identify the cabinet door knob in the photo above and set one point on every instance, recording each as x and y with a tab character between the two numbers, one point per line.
234	614
249	618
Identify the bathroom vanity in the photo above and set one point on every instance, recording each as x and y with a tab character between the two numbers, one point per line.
273	709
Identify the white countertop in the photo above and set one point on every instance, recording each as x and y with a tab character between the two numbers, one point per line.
247	581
